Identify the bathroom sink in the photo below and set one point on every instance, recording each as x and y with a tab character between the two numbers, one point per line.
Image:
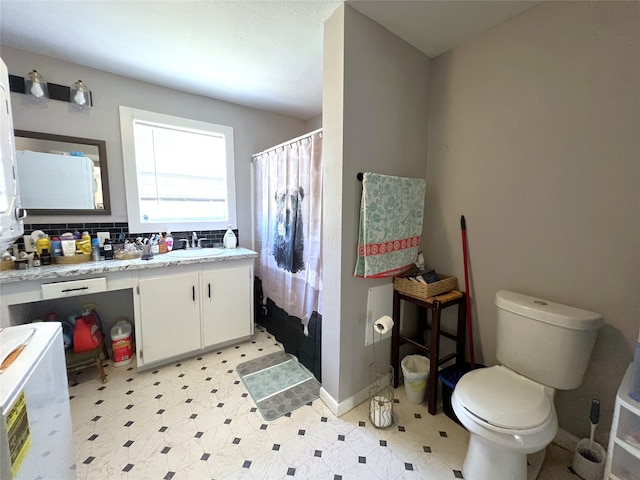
195	253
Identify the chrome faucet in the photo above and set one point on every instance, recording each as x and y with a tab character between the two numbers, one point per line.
194	240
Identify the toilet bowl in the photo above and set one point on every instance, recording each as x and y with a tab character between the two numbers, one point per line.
508	409
508	417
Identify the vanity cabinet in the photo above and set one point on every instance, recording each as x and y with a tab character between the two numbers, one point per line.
226	309
180	306
623	455
169	316
201	307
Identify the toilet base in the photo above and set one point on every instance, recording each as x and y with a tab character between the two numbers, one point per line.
487	461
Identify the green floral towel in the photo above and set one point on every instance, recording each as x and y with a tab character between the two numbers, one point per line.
391	213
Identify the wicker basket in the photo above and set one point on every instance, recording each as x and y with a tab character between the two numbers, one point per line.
420	290
72	259
6	265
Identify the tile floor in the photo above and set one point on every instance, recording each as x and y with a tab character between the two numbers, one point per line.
193	419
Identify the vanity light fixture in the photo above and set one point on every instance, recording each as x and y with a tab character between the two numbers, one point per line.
36	87
80	95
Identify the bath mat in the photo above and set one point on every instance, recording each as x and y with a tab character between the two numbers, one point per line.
278	384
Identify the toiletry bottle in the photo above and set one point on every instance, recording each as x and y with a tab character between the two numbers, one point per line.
634	387
168	240
42	243
56	247
229	239
155	249
162	244
36	259
108	249
45	258
95	249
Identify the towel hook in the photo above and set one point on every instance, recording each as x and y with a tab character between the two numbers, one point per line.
360	176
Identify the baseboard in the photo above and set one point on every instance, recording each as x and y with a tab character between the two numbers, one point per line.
339	409
329	401
566	440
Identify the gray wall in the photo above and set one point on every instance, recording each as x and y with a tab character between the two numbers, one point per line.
375	119
254	130
534	135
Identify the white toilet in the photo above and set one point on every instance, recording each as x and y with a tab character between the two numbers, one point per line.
508	409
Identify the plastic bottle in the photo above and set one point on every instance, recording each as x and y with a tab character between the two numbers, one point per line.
56	247
108	249
168	240
41	244
95	249
121	343
634	387
45	258
229	240
162	244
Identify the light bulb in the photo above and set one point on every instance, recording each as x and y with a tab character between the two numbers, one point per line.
36	90
36	86
80	95
79	98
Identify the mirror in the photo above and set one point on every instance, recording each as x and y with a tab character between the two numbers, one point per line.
62	175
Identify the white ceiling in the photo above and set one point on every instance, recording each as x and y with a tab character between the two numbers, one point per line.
264	54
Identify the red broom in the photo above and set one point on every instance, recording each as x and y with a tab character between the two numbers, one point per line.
463	226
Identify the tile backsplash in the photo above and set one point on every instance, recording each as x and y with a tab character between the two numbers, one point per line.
115	229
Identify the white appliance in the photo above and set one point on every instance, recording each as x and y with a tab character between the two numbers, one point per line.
11	213
35	431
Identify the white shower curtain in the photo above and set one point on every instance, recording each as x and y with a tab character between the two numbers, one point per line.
288	222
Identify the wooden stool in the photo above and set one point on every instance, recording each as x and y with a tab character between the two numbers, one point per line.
80	361
435	305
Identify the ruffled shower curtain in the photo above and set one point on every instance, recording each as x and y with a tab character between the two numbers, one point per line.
288	225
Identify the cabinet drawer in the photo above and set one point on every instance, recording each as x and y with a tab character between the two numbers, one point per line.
73	287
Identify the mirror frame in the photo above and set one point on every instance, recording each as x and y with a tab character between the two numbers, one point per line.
102	153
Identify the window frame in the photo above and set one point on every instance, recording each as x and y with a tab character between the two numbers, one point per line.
128	116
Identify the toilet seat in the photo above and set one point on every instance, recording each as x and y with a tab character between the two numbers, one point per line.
503	399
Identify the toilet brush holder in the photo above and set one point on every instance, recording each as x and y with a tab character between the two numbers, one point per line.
588	460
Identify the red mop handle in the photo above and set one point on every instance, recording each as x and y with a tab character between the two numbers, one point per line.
463	226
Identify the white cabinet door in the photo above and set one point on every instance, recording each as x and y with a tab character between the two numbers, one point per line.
170	316
226	301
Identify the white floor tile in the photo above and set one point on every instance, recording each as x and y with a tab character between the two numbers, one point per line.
194	419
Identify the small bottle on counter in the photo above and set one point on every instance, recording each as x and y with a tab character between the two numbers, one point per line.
56	247
107	247
168	240
229	240
45	258
95	249
162	244
36	258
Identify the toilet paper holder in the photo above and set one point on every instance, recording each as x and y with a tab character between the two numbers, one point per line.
381	381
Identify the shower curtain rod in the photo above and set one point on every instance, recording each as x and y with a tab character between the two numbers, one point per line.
288	142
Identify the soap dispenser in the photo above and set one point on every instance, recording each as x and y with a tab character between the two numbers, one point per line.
229	240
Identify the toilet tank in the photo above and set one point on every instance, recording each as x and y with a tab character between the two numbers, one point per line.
545	341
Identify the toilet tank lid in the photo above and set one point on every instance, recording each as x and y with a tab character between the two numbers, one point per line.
548	311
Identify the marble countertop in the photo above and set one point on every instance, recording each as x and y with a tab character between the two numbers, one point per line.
104	266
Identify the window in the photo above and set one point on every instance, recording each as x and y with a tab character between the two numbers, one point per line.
179	173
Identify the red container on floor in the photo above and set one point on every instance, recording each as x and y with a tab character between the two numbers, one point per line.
121	342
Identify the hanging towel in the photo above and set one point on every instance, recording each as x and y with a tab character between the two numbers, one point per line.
391	213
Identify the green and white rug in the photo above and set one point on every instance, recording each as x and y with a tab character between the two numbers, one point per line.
278	384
